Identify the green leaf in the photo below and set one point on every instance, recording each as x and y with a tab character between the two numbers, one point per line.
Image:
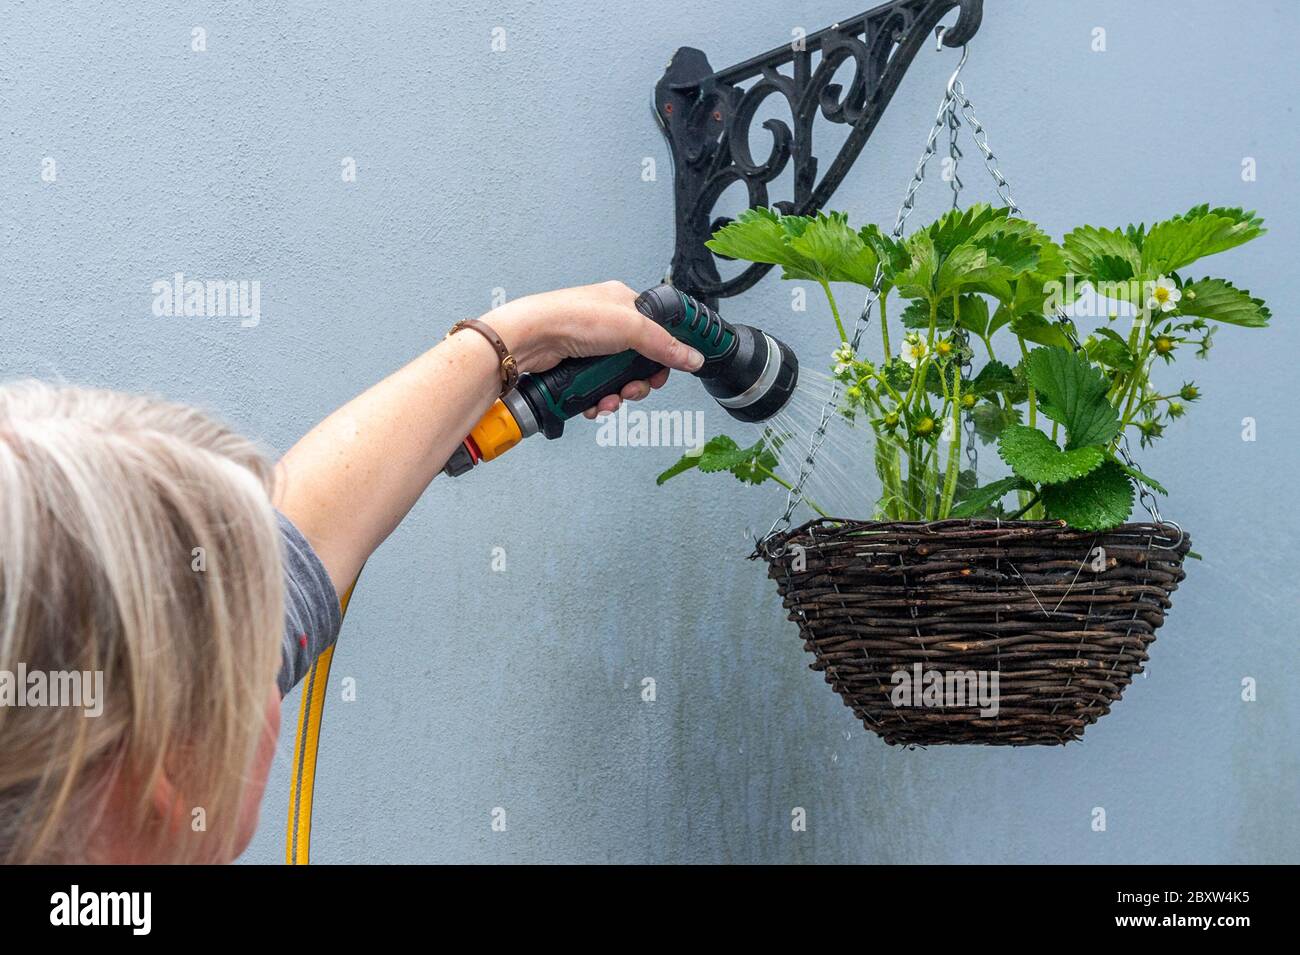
916	279
1108	270
687	462
1033	327
1143	478
1199	232
891	253
1073	392
977	249
935	379
987	263
898	373
1107	347
758	465
1136	234
721	453
962	267
1035	457
992	378
1177	242
1101	255
974	314
917	315
967	481
959	226
759	235
1029	292
1221	301
838	251
991	420
1095	502
1036	294
1001	316
983	498
1014	244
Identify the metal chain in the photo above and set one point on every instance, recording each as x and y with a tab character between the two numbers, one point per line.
954	151
958	92
795	493
1144	493
918	177
968	424
955	156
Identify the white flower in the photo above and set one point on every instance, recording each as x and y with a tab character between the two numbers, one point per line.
1164	297
842	357
913	349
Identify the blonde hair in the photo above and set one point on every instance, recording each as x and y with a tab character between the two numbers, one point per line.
137	538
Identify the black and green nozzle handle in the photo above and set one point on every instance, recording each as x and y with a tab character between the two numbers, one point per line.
748	372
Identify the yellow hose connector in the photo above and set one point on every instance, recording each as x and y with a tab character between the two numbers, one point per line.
496	432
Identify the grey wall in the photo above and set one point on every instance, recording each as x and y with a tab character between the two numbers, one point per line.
522	170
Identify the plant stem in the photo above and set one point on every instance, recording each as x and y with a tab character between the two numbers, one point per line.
826	287
1026	501
1133	386
913	479
931	482
1136	341
954	450
1033	407
767	472
1020	513
917	387
884	325
934	324
890	389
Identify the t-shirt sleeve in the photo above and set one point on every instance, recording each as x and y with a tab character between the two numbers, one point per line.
311	607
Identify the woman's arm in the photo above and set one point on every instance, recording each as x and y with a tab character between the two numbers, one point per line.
349	482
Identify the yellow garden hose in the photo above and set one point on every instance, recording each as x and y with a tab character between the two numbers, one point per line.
297	843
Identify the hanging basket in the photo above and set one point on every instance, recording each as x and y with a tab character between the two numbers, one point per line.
1036	627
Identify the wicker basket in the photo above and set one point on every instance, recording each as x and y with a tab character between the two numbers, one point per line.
1054	626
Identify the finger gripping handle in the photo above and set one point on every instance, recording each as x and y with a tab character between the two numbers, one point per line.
577	384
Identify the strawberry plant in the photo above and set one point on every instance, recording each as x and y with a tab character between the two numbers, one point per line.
1061	380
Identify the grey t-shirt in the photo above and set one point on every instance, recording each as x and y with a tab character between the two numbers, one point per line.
311	607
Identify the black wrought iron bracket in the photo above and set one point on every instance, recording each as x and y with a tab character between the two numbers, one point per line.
706	116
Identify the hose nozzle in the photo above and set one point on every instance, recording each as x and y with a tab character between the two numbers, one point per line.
748	372
752	377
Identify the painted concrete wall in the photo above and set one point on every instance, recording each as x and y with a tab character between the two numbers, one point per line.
522	170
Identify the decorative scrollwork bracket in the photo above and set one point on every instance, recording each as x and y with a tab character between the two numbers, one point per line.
706	116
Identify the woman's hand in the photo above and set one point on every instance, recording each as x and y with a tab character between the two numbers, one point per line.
541	330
